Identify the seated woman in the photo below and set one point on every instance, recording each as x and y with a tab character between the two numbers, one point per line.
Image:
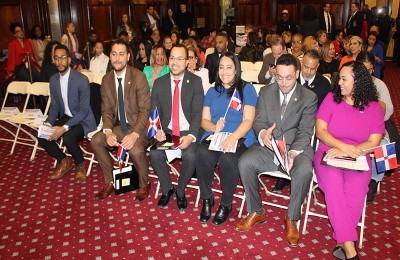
377	51
167	43
321	38
196	66
310	43
368	59
344	128
158	65
328	65
39	42
338	43
99	62
236	121
143	58
296	49
354	48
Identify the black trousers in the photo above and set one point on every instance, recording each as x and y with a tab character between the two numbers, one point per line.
70	138
228	169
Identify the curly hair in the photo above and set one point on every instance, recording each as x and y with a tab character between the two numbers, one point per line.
364	90
14	25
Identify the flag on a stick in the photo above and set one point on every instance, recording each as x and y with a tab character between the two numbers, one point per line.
121	156
236	102
385	157
153	123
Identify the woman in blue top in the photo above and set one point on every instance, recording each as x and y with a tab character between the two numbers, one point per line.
158	65
238	122
377	50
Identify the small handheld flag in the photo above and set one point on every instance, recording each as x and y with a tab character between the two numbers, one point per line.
153	123
385	157
121	156
235	102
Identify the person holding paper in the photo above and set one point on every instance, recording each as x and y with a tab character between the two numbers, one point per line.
125	109
285	109
344	128
178	97
224	112
70	116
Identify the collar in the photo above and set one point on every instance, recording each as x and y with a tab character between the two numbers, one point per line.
122	75
302	80
66	75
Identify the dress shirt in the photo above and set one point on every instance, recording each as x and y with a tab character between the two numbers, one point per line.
122	76
152	21
328	24
303	81
64	91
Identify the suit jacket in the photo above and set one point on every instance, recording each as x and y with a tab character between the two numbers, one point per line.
268	59
321	87
354	24
323	26
212	66
297	124
145	21
192	96
78	101
136	101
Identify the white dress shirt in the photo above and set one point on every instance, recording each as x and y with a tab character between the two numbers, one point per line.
64	91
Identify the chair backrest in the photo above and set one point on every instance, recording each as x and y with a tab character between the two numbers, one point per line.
258	65
209	51
258	87
18	87
247	66
250	76
90	75
40	89
98	77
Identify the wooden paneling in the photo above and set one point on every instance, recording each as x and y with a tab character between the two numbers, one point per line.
10	14
102	22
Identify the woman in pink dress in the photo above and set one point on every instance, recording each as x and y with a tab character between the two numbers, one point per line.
345	127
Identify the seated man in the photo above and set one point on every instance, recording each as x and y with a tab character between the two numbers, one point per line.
291	114
268	71
178	97
125	109
70	115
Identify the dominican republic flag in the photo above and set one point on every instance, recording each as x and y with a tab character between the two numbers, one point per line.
385	157
236	103
153	124
121	156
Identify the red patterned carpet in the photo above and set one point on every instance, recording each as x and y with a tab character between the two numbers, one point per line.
43	219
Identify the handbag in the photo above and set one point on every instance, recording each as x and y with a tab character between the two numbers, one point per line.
125	180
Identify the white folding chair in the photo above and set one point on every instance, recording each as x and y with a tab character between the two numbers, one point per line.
90	75
98	77
258	66
36	89
247	66
250	76
258	87
209	51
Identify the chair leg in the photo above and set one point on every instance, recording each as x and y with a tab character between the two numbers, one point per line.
34	150
242	206
310	193
15	140
157	189
362	225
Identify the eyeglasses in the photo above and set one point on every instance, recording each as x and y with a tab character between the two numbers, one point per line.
370	70
57	58
18	31
279	78
180	58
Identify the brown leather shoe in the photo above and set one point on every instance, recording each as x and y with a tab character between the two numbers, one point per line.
62	168
105	192
292	234
81	173
252	219
143	193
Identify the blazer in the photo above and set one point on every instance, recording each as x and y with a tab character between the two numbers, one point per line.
192	97
212	61
322	24
354	24
78	101
144	19
297	124
136	101
268	59
321	87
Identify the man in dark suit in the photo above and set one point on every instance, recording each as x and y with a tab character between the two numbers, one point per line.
70	115
184	19
178	97
267	72
284	109
327	22
149	22
221	46
354	21
125	108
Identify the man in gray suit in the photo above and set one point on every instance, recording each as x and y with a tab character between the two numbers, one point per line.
268	70
178	97
70	115
284	109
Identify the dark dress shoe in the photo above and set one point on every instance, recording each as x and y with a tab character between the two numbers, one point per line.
143	193
181	202
105	192
339	253
292	234
222	215
280	184
372	191
205	214
163	201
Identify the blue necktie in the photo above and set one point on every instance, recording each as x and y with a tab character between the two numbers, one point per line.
121	109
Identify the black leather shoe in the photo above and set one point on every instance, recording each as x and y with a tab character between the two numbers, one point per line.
280	184
181	202
205	214
163	201
222	215
372	190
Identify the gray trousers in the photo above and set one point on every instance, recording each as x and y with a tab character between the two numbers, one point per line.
158	161
260	159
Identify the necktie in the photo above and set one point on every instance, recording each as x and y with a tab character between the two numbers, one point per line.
306	83
121	109
284	104
175	110
328	17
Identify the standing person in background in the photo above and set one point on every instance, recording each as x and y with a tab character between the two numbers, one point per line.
169	22
149	22
354	21
18	48
286	24
184	20
92	43
327	21
39	42
384	26
309	24
125	26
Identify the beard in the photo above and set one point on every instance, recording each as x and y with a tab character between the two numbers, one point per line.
119	69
